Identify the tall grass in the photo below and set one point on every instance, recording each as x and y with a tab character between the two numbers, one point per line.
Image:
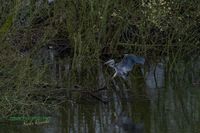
138	26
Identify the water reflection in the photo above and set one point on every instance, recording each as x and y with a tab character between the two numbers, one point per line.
164	102
155	76
126	124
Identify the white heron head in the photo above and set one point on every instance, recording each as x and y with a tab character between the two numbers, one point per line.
110	63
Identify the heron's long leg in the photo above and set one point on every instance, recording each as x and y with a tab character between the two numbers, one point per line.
115	74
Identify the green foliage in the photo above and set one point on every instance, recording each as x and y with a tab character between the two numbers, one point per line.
6	26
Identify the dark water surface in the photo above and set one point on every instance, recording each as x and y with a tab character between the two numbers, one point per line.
165	100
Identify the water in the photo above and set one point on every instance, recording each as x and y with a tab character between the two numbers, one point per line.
162	101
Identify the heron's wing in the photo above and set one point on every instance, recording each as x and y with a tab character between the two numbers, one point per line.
129	61
135	59
125	65
139	60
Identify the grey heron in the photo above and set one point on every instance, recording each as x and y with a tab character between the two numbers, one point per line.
125	65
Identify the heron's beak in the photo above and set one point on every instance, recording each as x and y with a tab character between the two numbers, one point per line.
107	62
111	61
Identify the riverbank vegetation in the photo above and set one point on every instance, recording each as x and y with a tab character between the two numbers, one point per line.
35	36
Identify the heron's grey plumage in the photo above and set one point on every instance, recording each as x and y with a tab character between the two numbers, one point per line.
125	65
